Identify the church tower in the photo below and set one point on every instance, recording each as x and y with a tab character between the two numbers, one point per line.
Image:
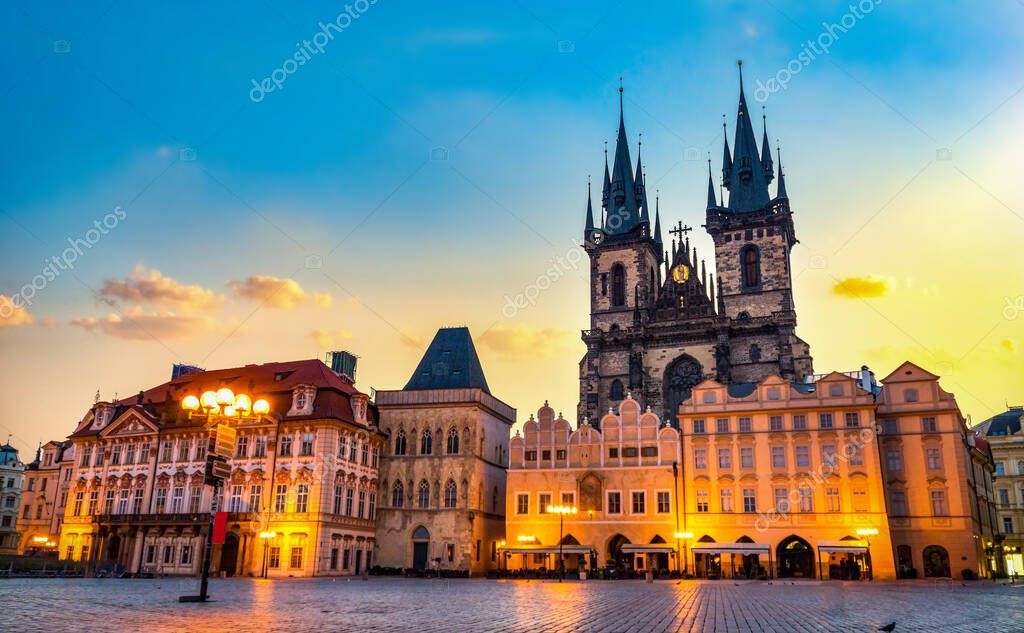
659	323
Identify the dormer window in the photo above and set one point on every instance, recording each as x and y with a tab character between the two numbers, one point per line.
300	401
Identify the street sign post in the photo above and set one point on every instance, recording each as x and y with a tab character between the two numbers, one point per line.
220	448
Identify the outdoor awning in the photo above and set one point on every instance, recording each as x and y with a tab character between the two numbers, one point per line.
849	547
548	549
731	548
653	548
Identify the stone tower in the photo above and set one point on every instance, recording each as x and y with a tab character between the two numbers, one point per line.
656	326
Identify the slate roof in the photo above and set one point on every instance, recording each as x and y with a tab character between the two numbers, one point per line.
450	362
1006	423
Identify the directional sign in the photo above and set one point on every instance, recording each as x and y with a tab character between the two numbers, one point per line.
222	440
217	468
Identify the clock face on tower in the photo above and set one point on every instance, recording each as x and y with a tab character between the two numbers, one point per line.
681	273
597	237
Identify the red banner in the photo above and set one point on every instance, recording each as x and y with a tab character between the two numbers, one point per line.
220	528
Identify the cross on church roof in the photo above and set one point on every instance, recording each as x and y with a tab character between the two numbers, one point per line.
680	230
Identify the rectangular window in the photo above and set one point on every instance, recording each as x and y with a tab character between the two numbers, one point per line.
613	453
825	420
545	455
568	498
800	422
364	453
242	446
301	497
749	500
664	502
183	446
855	453
115	455
1007	525
235	498
99	460
629	451
543	501
832	499
828	455
725	499
374	455
362	503
286	445
137	502
894	459
775	422
177	499
78	503
722	425
1000	469
614	503
700	458
778	457
342	447
129	454
781	500
255	493
339	496
168	554
745	425
724	458
933	457
275	558
852	419
702	501
898	501
560	454
349	501
523	503
150	554
928	425
639	502
352	446
260	446
334	558
94	496
890	426
803	455
306	448
859	499
371	510
296	560
938	498
167	452
280	497
806	500
698	427
86	456
746	457
531	456
195	498
1004	497
345	558
649	451
186	555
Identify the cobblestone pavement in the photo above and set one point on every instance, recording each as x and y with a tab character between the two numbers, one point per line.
456	606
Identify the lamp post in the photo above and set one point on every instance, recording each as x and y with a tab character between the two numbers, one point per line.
218	407
867	533
684	537
561	511
265	537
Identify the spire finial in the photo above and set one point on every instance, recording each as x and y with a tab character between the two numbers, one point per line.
739	64
620	97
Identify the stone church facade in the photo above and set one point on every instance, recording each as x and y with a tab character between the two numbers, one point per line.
660	323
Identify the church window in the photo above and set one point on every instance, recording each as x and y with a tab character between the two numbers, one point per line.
423	498
618	285
426	442
617	390
400	443
453	442
451	494
750	260
398	495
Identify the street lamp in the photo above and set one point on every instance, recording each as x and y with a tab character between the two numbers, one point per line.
561	511
683	536
222	405
266	536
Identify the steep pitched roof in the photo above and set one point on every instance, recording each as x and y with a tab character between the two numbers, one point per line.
748	185
1006	423
450	362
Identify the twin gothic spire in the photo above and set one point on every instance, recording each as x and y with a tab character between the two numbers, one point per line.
746	173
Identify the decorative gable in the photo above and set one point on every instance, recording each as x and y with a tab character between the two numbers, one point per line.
302	400
359	402
131	422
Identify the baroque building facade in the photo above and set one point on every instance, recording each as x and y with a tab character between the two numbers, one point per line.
659	324
44	498
300	498
1005	435
12	480
442	484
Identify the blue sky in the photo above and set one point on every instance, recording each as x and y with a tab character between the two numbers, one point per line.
342	154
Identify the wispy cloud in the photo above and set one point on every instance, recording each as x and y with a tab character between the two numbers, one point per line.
327	339
151	286
137	325
522	342
274	292
861	287
12	315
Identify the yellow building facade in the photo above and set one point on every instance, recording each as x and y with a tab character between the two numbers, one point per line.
622	479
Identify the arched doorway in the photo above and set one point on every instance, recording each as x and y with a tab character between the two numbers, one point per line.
229	554
707	564
936	562
661	558
747	565
795	558
622	561
113	548
682	375
904	562
420	548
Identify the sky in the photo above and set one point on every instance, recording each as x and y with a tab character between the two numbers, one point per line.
267	181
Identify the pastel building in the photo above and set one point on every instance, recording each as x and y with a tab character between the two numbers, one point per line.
621	476
12	480
1005	434
44	498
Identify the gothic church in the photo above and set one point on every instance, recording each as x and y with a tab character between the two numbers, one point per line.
659	323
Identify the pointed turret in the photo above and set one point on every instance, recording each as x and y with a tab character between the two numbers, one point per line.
623	210
748	187
590	213
606	192
657	221
781	194
712	202
766	151
726	158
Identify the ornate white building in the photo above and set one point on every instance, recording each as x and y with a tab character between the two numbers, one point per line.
301	497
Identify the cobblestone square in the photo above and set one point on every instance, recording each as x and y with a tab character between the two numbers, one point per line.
393	604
